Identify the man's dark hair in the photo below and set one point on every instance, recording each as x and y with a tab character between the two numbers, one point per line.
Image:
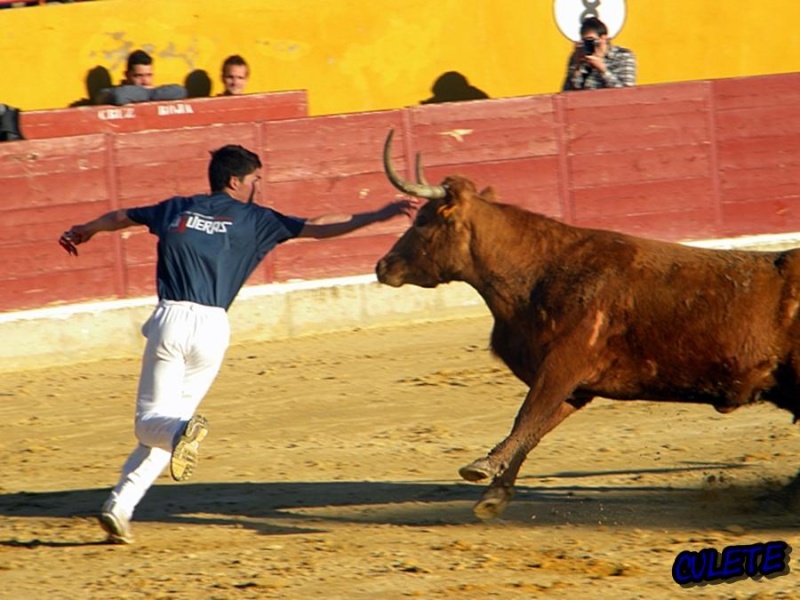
230	161
593	25
234	60
139	57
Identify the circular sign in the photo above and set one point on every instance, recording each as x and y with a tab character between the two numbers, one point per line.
570	13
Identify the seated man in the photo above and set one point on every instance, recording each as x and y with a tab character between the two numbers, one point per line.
235	73
137	85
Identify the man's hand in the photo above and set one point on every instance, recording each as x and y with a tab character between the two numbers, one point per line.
405	206
596	62
78	234
67	245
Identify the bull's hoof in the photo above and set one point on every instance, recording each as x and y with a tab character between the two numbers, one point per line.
478	470
493	503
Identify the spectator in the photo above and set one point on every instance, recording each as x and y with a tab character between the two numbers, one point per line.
140	69
137	85
235	73
597	63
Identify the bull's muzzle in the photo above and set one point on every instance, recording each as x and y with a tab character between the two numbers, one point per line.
387	272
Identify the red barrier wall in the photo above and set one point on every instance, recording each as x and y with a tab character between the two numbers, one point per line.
41	124
684	161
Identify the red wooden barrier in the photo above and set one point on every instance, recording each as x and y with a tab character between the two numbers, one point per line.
512	145
46	186
639	159
683	161
163	115
327	165
758	152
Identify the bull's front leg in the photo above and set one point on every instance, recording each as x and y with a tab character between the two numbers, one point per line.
500	492
548	402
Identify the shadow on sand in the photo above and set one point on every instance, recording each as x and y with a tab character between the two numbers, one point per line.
280	508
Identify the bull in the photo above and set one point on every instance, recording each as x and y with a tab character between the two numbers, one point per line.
581	313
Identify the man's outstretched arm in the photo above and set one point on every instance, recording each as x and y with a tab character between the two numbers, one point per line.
327	226
80	234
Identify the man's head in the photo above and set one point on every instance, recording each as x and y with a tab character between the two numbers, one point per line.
594	34
235	170
140	69
234	75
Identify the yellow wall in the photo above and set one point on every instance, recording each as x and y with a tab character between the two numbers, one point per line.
360	55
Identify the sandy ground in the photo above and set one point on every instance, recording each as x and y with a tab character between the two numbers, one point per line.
331	471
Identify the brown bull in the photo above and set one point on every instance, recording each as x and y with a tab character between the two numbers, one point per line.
580	313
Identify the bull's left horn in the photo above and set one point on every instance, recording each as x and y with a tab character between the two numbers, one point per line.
420	190
418	167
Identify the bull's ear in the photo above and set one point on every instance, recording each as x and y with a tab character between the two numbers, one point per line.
459	191
489	194
446	210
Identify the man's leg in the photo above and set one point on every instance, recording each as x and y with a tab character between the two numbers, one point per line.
178	368
202	365
160	378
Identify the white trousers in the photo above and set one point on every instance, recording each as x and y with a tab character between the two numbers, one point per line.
186	343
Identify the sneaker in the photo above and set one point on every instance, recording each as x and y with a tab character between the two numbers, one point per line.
184	455
115	524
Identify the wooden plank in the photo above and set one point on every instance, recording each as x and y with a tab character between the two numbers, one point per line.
635	166
52	190
33	158
327	147
139	247
623	199
661	98
774	181
153	165
765	215
752	168
587	135
144	184
189	143
757	91
665	225
164	115
641	117
779	120
140	280
484	130
45	224
60	287
532	183
336	257
756	152
345	195
41	257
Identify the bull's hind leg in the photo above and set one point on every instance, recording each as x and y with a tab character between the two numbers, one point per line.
497	496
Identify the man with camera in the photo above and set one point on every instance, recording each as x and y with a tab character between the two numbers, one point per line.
596	63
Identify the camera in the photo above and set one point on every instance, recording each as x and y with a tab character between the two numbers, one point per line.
590	45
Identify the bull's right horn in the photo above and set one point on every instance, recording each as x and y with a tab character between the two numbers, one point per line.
421	190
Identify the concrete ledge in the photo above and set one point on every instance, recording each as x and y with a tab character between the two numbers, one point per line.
96	330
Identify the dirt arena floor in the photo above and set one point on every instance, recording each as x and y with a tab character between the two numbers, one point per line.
331	472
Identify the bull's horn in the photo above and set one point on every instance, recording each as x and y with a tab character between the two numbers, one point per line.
420	190
418	168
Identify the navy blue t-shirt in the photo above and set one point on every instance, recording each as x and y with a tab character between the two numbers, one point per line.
209	245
